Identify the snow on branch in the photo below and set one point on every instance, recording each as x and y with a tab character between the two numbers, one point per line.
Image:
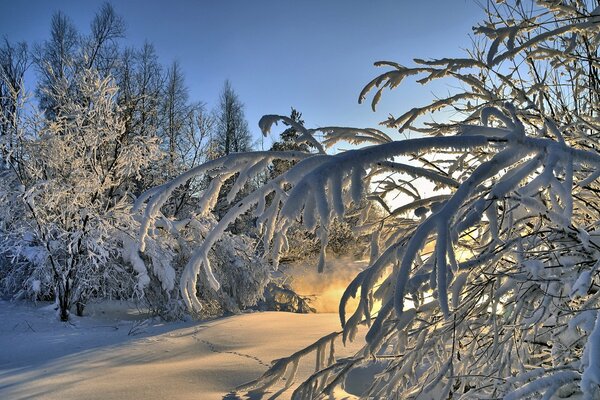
487	289
517	167
318	183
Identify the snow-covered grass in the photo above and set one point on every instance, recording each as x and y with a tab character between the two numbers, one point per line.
114	352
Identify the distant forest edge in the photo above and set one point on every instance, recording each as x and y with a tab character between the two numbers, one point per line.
104	124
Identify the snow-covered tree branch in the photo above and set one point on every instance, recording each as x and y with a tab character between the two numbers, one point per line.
488	288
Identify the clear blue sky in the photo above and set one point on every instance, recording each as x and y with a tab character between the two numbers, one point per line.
315	55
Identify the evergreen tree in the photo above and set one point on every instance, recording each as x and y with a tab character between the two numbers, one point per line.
288	140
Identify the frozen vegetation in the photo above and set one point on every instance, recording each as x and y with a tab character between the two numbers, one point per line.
484	287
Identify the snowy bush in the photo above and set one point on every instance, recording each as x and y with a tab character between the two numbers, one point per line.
168	248
489	286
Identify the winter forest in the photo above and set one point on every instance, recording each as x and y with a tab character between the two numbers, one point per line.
146	236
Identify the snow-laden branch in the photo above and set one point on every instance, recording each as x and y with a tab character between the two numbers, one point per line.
317	181
490	287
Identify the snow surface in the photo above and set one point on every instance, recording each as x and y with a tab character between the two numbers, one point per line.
115	353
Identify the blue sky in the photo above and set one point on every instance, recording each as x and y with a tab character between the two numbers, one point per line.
310	54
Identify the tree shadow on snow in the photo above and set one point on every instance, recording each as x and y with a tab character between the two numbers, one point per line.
249	396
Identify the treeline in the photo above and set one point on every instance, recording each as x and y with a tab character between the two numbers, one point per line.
105	123
152	98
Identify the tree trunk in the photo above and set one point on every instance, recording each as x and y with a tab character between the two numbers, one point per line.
64	302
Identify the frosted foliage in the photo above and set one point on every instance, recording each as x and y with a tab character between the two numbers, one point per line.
487	288
243	276
66	232
71	205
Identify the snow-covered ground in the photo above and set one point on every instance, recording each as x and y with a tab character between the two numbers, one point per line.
113	353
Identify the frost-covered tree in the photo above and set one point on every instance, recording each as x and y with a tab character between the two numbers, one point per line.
67	52
175	114
55	59
489	287
167	249
232	134
77	171
140	81
100	49
185	129
303	244
14	61
71	168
